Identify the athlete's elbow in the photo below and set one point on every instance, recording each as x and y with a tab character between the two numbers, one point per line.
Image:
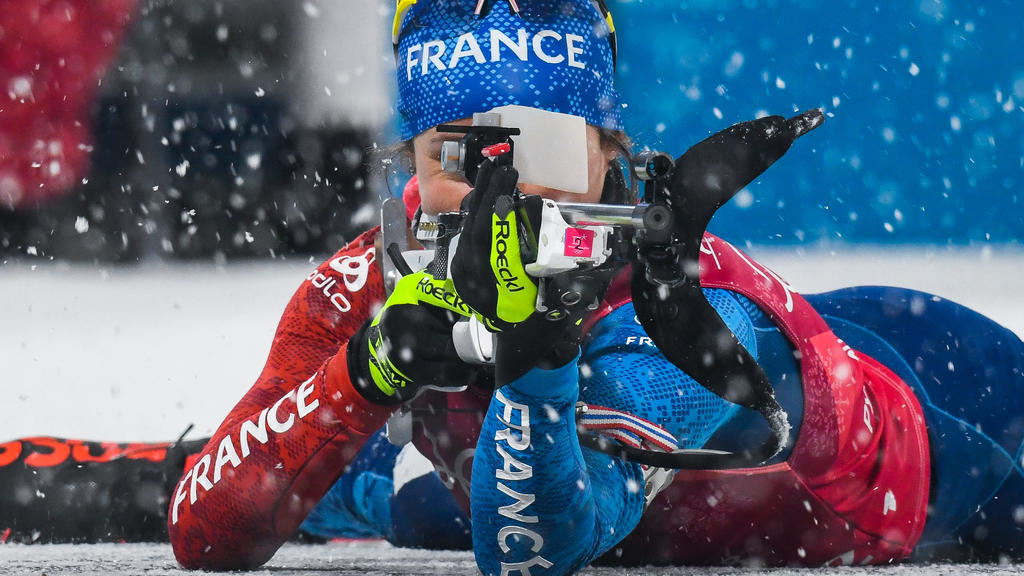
519	550
204	547
210	533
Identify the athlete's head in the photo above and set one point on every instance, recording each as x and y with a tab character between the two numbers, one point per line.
459	57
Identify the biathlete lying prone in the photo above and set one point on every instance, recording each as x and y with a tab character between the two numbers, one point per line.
681	405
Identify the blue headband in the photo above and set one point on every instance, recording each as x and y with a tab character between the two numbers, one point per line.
555	56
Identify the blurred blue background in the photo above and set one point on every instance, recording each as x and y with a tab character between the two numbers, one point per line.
255	128
924	140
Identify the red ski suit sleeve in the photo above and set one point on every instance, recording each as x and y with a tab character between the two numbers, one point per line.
292	434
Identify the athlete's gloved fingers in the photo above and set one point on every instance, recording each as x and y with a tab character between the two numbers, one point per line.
501	181
427	344
478	206
504	181
537	341
615	190
452	375
471	203
474	242
472	272
415	323
451	318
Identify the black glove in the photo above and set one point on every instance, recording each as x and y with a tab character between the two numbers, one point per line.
408	345
488	269
550	338
489	274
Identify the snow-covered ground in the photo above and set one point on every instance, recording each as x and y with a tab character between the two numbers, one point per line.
138	353
375	558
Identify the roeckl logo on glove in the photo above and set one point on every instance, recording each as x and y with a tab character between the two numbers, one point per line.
430	288
505	274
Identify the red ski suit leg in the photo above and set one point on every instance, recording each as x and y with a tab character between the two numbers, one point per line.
291	436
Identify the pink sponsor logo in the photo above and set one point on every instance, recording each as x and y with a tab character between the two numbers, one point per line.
579	242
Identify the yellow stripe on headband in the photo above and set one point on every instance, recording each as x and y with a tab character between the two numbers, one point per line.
400	10
607	18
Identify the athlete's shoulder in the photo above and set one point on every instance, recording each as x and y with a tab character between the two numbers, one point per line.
330	304
351	278
334	299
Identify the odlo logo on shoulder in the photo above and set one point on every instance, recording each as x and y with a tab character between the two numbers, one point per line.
354	270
